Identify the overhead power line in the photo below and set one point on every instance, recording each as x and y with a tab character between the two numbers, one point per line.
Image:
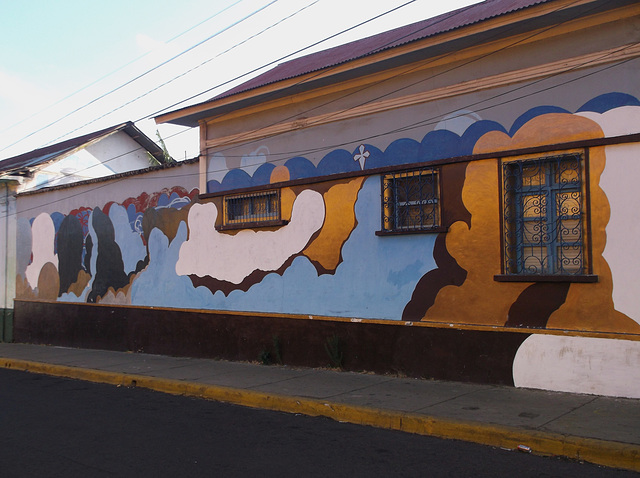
428	121
378	83
188	71
62	100
274	62
141	75
310	46
361	139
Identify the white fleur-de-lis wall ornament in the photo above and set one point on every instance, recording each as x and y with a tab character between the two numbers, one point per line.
361	156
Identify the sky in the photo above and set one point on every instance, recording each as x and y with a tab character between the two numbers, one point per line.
72	67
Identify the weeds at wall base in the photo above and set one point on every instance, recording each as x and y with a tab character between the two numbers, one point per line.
334	346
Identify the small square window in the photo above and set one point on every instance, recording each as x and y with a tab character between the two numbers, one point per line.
259	208
411	201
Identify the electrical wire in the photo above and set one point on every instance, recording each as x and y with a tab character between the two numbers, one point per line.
141	75
428	121
206	91
268	64
323	71
186	72
271	63
119	69
372	100
109	182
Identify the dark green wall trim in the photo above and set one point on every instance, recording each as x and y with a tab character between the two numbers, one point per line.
6	325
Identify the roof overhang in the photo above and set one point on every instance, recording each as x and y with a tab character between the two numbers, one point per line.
25	163
534	15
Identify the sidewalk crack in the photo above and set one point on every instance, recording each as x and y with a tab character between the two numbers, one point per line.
359	389
470	392
539	427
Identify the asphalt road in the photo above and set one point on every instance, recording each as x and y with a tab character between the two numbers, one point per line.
52	427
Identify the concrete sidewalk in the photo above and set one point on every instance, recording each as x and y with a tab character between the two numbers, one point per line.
600	430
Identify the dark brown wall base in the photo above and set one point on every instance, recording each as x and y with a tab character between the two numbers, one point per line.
438	353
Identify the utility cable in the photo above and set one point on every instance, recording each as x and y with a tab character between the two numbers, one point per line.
186	72
271	63
427	121
413	126
310	46
141	75
482	57
118	69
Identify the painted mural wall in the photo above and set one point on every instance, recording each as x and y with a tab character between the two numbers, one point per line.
161	247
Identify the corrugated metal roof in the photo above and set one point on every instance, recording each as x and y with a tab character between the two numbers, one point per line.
383	41
104	179
40	156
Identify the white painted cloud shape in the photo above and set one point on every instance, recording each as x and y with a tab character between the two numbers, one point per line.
621	175
233	257
43	232
616	122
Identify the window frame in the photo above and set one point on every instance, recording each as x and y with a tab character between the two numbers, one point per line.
252	220
514	243
389	203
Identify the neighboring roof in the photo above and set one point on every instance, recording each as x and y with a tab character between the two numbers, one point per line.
25	162
112	177
364	47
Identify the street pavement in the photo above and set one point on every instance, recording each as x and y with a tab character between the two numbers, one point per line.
596	429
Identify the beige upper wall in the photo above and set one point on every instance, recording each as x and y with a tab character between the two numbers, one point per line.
548	46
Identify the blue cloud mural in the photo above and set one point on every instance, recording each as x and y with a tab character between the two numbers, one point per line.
360	287
158	284
130	241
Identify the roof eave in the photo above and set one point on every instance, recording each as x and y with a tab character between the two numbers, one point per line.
28	162
534	14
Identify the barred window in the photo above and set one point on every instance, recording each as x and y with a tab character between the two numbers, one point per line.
411	201
258	207
544	216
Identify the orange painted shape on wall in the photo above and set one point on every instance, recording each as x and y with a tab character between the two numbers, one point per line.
280	174
544	130
79	285
287	198
23	289
480	299
590	306
340	220
48	282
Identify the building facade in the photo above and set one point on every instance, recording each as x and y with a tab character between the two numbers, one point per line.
107	152
449	200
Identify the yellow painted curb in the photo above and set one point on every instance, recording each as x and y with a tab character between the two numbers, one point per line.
601	452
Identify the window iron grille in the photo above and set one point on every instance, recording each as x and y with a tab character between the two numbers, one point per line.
252	207
543	216
411	201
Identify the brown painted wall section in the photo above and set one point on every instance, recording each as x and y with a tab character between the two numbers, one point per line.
427	352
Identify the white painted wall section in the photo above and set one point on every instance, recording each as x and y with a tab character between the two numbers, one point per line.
620	181
579	365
